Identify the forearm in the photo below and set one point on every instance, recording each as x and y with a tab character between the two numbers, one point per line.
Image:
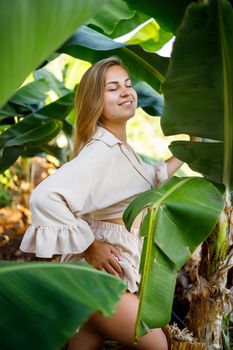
173	164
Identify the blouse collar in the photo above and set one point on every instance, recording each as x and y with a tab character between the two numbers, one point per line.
106	136
110	139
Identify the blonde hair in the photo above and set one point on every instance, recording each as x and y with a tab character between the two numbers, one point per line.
89	101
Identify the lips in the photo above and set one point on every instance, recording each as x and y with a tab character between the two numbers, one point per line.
128	102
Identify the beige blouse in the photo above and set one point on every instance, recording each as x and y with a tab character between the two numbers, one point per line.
99	183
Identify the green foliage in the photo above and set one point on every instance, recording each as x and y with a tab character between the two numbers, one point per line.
197	83
90	45
168	13
46	303
40	28
227	336
33	121
182	213
198	90
116	19
5	197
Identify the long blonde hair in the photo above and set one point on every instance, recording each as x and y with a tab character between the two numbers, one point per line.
89	101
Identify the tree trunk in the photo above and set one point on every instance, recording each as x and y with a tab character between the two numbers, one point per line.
182	339
180	345
211	301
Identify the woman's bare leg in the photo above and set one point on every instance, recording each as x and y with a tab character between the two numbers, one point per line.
120	327
88	338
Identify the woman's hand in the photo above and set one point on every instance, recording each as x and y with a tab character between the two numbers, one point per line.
103	256
194	138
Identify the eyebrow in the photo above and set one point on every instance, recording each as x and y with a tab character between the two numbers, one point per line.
117	82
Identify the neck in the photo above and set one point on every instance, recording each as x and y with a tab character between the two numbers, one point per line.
118	130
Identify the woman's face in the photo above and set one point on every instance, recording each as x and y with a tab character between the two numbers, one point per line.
120	99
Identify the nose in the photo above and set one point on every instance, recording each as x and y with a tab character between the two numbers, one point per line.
124	91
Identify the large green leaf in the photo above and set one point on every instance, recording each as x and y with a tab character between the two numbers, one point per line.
43	151
8	156
182	213
116	19
43	304
151	37
87	44
109	16
37	124
30	128
126	26
32	96
203	157
31	30
198	88
26	100
35	129
55	84
31	131
148	99
168	13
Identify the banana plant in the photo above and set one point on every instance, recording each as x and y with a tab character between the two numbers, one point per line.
116	19
180	214
30	39
30	123
90	45
198	101
152	69
40	299
168	13
44	303
198	94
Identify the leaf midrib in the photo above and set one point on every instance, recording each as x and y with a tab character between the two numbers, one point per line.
145	64
227	91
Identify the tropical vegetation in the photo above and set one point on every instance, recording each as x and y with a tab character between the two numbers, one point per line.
192	91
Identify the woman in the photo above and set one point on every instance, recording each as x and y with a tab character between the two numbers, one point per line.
77	211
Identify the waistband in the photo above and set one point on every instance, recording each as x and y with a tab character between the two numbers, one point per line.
95	224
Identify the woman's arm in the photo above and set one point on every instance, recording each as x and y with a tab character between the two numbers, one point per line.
173	163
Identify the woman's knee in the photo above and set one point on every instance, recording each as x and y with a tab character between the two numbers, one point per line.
154	340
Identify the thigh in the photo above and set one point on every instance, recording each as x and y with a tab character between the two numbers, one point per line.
87	338
120	326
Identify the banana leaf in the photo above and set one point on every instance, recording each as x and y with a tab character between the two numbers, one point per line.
150	36
26	100
37	123
32	96
8	156
168	13
116	19
31	31
43	304
39	127
198	90
180	214
87	44
148	99
111	15
43	151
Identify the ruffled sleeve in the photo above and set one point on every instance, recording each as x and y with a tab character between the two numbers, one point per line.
45	241
57	205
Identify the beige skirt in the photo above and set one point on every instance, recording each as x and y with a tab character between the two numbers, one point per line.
128	243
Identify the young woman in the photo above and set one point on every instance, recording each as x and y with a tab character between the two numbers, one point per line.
77	211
